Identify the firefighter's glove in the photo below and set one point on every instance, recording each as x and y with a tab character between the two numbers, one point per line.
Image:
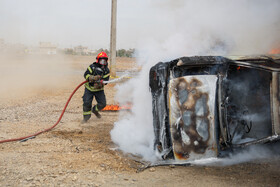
96	77
98	84
92	78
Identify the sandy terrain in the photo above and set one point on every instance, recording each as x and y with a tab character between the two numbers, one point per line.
75	154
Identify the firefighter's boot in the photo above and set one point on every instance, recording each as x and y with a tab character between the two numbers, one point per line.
86	118
95	111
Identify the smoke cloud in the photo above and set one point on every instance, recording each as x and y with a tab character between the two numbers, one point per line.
134	132
253	153
198	27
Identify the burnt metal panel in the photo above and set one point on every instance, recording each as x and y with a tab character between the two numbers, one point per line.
222	110
271	62
179	128
268	139
192	116
275	103
158	84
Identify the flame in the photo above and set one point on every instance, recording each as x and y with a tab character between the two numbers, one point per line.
111	108
275	51
117	107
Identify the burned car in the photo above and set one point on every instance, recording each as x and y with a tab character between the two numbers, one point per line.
204	106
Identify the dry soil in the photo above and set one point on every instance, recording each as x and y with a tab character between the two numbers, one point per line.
75	154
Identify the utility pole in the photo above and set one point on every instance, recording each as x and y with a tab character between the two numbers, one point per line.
113	38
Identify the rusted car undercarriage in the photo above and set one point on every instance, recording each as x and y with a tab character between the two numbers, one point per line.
204	106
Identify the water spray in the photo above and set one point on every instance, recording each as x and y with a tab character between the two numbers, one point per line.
117	79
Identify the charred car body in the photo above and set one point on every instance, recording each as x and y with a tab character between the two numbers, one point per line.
206	105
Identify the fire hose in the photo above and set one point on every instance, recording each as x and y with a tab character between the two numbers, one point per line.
48	129
61	115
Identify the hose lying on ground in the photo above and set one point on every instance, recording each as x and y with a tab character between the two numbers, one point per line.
40	132
62	113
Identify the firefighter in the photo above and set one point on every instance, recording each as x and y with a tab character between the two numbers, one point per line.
96	73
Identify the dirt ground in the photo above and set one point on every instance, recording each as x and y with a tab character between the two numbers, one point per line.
75	154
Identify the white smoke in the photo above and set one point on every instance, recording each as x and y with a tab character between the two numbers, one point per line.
253	153
197	27
134	133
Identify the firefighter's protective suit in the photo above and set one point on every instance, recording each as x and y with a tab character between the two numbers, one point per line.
95	73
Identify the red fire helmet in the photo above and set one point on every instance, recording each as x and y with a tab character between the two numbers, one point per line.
102	55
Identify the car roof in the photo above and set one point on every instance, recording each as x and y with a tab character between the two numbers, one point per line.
269	62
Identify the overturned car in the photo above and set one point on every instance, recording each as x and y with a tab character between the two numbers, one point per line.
204	106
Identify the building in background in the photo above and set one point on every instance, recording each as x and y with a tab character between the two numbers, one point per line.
47	48
81	50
